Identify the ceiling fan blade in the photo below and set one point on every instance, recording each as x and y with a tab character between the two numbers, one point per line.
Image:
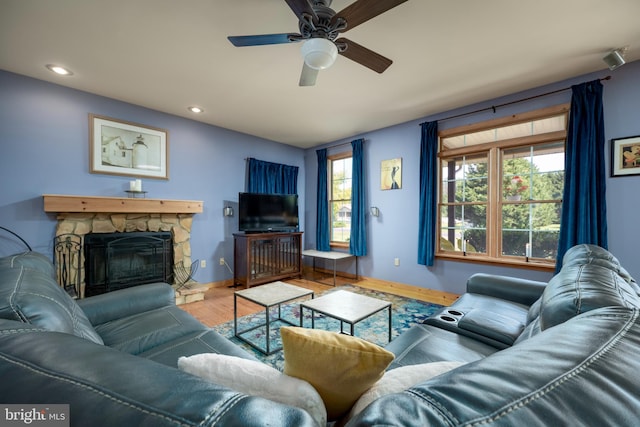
301	8
308	76
363	10
262	39
363	56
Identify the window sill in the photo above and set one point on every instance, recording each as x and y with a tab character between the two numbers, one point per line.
532	264
340	245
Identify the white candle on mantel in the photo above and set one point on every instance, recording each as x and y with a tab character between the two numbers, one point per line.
132	185
527	250
138	185
464	245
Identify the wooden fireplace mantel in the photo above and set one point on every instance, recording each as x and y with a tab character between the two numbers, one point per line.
96	204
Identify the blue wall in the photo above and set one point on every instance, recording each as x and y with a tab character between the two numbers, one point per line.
44	138
394	233
45	150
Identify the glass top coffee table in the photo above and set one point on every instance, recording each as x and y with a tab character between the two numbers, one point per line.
268	296
347	307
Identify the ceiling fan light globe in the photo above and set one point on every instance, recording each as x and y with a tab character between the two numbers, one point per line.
319	53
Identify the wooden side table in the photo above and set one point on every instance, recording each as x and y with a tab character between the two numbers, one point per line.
329	255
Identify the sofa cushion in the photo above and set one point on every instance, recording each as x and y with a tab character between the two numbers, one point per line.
534	311
593	254
256	379
197	342
127	302
532	329
427	343
340	367
33	296
143	331
589	279
30	260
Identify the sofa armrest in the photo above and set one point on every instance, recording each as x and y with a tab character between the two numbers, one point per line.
127	302
522	291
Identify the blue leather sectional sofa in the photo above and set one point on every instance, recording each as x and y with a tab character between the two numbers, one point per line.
113	357
564	353
535	354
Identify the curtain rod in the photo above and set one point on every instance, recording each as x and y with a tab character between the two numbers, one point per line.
339	145
494	107
342	143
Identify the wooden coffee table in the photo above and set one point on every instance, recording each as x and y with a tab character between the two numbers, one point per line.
269	295
347	307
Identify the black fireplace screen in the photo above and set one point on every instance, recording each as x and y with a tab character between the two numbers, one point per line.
121	260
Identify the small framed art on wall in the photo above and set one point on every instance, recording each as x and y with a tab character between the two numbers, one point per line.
625	156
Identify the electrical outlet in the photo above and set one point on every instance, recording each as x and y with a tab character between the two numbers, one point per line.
396	262
203	263
221	261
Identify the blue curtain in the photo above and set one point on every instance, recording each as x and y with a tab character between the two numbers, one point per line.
358	238
584	210
428	193
272	178
322	215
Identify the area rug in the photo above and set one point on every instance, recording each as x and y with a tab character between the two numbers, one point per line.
406	312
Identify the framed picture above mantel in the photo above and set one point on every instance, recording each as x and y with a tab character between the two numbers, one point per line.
625	156
118	147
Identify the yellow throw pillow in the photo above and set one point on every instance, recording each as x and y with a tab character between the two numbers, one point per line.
340	367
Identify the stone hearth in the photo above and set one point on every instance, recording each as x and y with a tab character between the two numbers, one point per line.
178	224
84	215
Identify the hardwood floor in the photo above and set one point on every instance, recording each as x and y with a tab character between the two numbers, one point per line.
217	306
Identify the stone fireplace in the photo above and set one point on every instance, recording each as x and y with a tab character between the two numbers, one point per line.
84	215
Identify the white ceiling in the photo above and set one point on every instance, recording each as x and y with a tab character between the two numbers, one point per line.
168	55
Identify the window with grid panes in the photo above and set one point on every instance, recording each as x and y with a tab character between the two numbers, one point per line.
501	188
340	198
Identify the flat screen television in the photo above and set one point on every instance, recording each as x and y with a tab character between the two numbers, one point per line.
262	213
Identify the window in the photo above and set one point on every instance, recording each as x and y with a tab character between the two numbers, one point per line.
340	198
501	188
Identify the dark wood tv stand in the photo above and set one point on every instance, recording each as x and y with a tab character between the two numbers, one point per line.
261	258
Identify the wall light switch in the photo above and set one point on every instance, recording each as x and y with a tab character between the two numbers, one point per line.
396	262
203	263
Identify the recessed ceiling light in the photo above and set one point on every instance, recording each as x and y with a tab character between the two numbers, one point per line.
59	70
196	110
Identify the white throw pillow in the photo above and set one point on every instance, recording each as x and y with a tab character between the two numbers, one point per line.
256	379
400	379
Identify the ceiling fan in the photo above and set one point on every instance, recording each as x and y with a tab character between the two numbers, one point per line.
319	29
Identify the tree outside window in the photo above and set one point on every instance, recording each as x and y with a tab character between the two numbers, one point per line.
502	186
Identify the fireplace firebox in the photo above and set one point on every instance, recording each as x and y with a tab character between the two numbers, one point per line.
121	260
